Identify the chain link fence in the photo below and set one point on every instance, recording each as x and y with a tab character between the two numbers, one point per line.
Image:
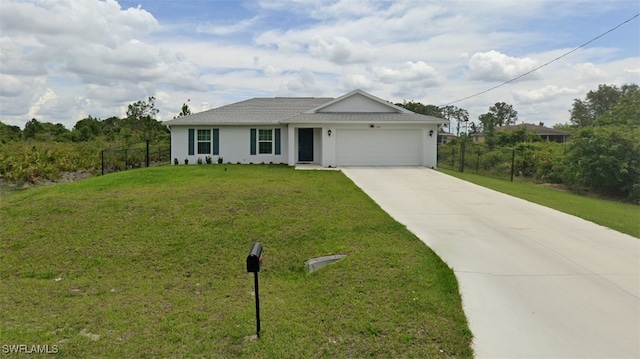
539	162
142	154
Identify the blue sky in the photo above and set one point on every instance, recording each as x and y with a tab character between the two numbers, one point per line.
64	60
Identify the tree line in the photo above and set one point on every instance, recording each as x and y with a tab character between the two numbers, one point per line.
44	151
602	155
139	124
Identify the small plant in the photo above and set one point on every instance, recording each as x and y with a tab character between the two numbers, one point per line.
186	161
199	160
175	161
208	160
238	162
220	160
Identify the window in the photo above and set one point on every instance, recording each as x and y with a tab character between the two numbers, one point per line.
265	141
204	142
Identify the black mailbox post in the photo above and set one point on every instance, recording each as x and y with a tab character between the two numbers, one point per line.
254	259
254	262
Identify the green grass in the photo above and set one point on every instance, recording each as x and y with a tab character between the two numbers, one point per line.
622	217
151	263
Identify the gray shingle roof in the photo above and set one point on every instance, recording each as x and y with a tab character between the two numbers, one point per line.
253	111
291	110
540	130
357	117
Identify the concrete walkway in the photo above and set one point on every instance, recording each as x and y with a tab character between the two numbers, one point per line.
535	282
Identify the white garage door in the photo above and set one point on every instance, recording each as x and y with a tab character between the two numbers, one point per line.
375	147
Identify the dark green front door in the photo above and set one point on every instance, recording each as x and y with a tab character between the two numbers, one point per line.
305	145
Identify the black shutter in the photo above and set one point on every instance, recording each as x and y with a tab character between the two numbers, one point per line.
277	139
216	141
253	141
192	141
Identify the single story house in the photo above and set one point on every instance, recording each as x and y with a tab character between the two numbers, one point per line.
446	137
546	133
356	129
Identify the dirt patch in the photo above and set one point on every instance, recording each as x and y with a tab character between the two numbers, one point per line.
6	186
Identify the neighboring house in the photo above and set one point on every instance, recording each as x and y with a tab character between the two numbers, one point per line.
356	129
446	137
547	134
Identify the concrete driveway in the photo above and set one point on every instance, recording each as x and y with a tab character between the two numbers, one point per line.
535	282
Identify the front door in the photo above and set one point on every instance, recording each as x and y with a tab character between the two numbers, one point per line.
305	145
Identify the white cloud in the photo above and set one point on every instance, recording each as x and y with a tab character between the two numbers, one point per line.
357	81
341	50
304	83
589	72
47	97
10	86
409	71
58	47
272	71
544	94
227	29
98	56
494	66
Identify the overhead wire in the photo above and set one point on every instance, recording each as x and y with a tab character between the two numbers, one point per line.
545	64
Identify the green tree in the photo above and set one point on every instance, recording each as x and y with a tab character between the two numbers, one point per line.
9	133
597	103
185	111
141	118
458	114
33	129
474	127
517	136
605	159
503	113
499	114
604	155
55	132
417	107
488	123
44	131
112	126
87	129
626	112
429	110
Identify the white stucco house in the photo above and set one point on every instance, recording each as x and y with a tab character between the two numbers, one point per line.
356	129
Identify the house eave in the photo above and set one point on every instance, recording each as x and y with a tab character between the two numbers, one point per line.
215	124
364	122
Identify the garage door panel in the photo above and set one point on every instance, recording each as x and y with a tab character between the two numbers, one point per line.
377	147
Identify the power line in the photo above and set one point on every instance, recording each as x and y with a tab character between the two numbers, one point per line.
545	64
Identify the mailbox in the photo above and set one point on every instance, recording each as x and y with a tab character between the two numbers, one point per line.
254	259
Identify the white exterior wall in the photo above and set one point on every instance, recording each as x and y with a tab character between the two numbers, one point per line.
357	103
430	146
325	150
234	145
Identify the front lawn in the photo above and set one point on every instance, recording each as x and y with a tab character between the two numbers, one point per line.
151	263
